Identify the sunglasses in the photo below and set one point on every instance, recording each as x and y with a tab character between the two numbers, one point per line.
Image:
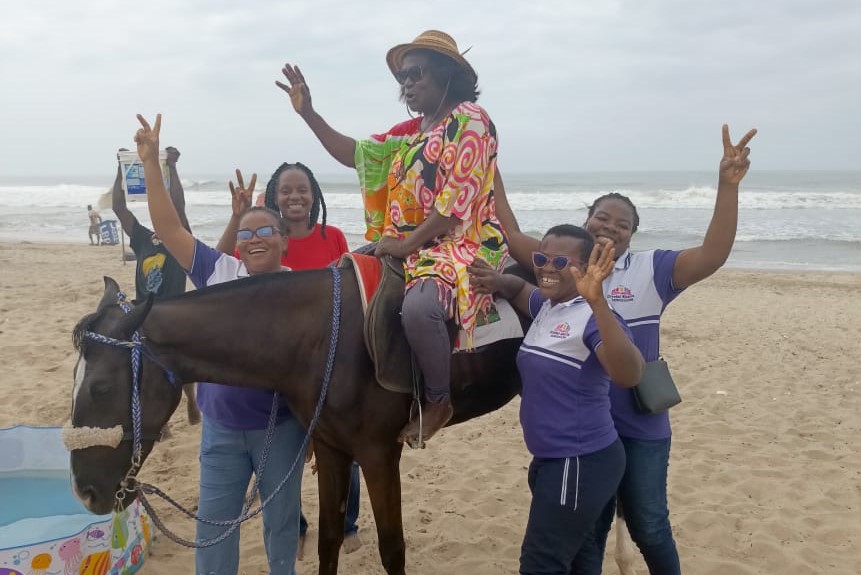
245	234
414	73
539	260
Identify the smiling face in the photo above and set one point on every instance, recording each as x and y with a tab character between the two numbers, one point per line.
261	255
424	95
558	285
295	198
613	220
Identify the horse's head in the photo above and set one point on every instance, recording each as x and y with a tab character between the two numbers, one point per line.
101	434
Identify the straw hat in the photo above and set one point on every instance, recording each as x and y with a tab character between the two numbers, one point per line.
433	40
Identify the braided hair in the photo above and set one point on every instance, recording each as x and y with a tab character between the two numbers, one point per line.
271	198
621	198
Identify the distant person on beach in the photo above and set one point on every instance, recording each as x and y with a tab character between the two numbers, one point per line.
573	348
157	271
95	220
294	193
426	186
235	419
639	289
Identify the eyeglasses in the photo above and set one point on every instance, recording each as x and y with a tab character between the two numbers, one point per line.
539	260
414	73
245	234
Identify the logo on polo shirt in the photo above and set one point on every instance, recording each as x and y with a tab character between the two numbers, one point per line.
561	331
621	294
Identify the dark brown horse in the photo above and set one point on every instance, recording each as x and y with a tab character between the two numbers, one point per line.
280	342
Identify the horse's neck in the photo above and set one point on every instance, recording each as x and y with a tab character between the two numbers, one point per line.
266	335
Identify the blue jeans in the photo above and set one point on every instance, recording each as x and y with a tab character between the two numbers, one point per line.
643	497
227	460
352	513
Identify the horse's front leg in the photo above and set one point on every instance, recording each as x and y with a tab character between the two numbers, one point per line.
333	480
381	467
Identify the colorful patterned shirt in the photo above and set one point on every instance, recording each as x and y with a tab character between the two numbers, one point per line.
405	173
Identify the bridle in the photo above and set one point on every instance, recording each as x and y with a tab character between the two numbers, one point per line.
83	437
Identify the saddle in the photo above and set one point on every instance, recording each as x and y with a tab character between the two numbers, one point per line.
381	285
384	333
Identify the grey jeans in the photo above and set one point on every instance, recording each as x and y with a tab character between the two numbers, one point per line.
424	317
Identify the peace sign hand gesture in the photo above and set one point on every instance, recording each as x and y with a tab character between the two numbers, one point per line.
590	283
735	161
147	138
297	89
240	195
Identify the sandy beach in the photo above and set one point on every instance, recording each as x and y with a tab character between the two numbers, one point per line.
765	475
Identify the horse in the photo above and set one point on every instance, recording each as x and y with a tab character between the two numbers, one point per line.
281	344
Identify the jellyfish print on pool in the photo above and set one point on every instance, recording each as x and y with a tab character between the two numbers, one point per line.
70	553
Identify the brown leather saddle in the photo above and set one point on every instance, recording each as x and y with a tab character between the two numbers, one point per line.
384	333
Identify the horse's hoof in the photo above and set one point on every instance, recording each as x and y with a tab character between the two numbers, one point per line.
415	443
352	543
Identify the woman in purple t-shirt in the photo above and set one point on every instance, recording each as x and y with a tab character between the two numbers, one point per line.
575	345
234	418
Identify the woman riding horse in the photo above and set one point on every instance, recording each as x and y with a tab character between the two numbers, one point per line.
427	187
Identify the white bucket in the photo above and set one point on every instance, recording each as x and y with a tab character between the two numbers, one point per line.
133	175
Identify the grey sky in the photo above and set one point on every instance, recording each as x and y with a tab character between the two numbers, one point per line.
571	85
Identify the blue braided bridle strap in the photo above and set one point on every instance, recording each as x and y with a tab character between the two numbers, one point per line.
137	349
143	488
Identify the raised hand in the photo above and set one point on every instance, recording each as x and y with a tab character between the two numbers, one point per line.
172	155
240	194
590	282
296	88
146	138
735	161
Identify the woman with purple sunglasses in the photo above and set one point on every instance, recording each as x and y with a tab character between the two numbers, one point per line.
575	346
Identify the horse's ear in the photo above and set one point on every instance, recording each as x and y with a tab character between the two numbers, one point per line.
135	318
112	288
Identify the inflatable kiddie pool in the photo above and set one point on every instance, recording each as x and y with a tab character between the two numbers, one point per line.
44	529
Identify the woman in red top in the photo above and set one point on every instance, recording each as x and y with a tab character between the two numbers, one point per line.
294	193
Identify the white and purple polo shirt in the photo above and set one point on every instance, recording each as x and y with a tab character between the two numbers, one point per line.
639	289
238	408
565	406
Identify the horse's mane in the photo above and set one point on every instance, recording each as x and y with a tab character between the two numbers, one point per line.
242	283
86	322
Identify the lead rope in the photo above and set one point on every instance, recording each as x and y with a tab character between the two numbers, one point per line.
233	524
127	484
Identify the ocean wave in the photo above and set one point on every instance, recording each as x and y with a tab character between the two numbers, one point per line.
215	193
694	197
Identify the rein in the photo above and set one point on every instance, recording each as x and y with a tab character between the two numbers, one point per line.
129	483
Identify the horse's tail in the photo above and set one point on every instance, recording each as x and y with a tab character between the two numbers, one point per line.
625	554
